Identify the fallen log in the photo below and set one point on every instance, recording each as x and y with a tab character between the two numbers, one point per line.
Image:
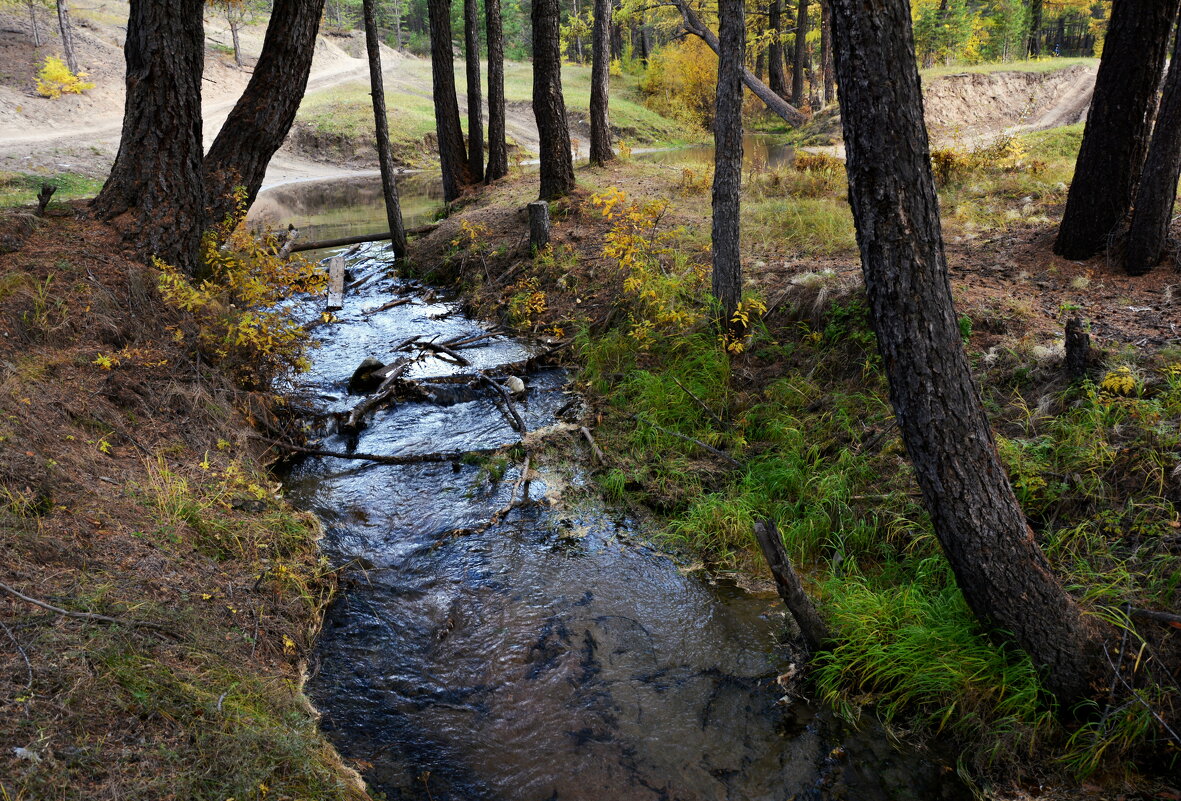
390	305
815	632
360	239
776	104
389	386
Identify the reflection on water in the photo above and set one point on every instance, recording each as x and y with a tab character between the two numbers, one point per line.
339	207
759	152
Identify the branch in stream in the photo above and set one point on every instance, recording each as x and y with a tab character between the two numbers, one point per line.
511	412
420	458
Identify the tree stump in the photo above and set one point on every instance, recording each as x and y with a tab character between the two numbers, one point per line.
43	197
538	224
1078	349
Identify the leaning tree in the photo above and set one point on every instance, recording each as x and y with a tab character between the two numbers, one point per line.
998	566
1119	125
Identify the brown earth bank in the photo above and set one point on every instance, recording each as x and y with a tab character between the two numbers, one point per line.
171	594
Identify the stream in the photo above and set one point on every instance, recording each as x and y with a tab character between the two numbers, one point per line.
552	655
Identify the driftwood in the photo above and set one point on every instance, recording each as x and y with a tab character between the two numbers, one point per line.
514	418
420	458
390	305
440	349
335	284
596	451
360	239
815	632
391	375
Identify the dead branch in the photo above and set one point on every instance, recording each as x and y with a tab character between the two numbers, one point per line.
421	458
514	418
1148	614
388	388
442	350
720	454
288	242
21	650
704	408
390	305
512	498
596	451
80	615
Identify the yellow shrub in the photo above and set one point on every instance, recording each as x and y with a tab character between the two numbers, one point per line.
682	80
55	79
239	319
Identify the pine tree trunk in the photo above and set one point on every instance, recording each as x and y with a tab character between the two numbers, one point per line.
1035	28
1153	209
475	119
830	81
67	31
800	64
1003	575
452	152
155	187
1118	125
497	147
557	165
260	120
776	75
727	259
600	144
385	156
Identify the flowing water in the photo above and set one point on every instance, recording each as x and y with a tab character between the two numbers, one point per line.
553	655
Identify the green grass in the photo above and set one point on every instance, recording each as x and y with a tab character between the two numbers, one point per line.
1049	64
20	189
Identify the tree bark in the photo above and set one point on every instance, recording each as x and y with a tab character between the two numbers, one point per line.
791	591
776	104
830	81
549	107
260	120
1153	209
497	147
155	187
776	75
475	120
800	62
727	259
1118	125
452	152
998	566
385	156
600	144
67	31
1035	28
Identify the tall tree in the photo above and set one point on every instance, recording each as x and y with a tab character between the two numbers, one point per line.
67	31
1118	125
260	120
776	74
727	259
452	153
799	66
475	119
1158	183
1003	575
830	82
497	146
156	186
385	156
549	107
1035	28
600	144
